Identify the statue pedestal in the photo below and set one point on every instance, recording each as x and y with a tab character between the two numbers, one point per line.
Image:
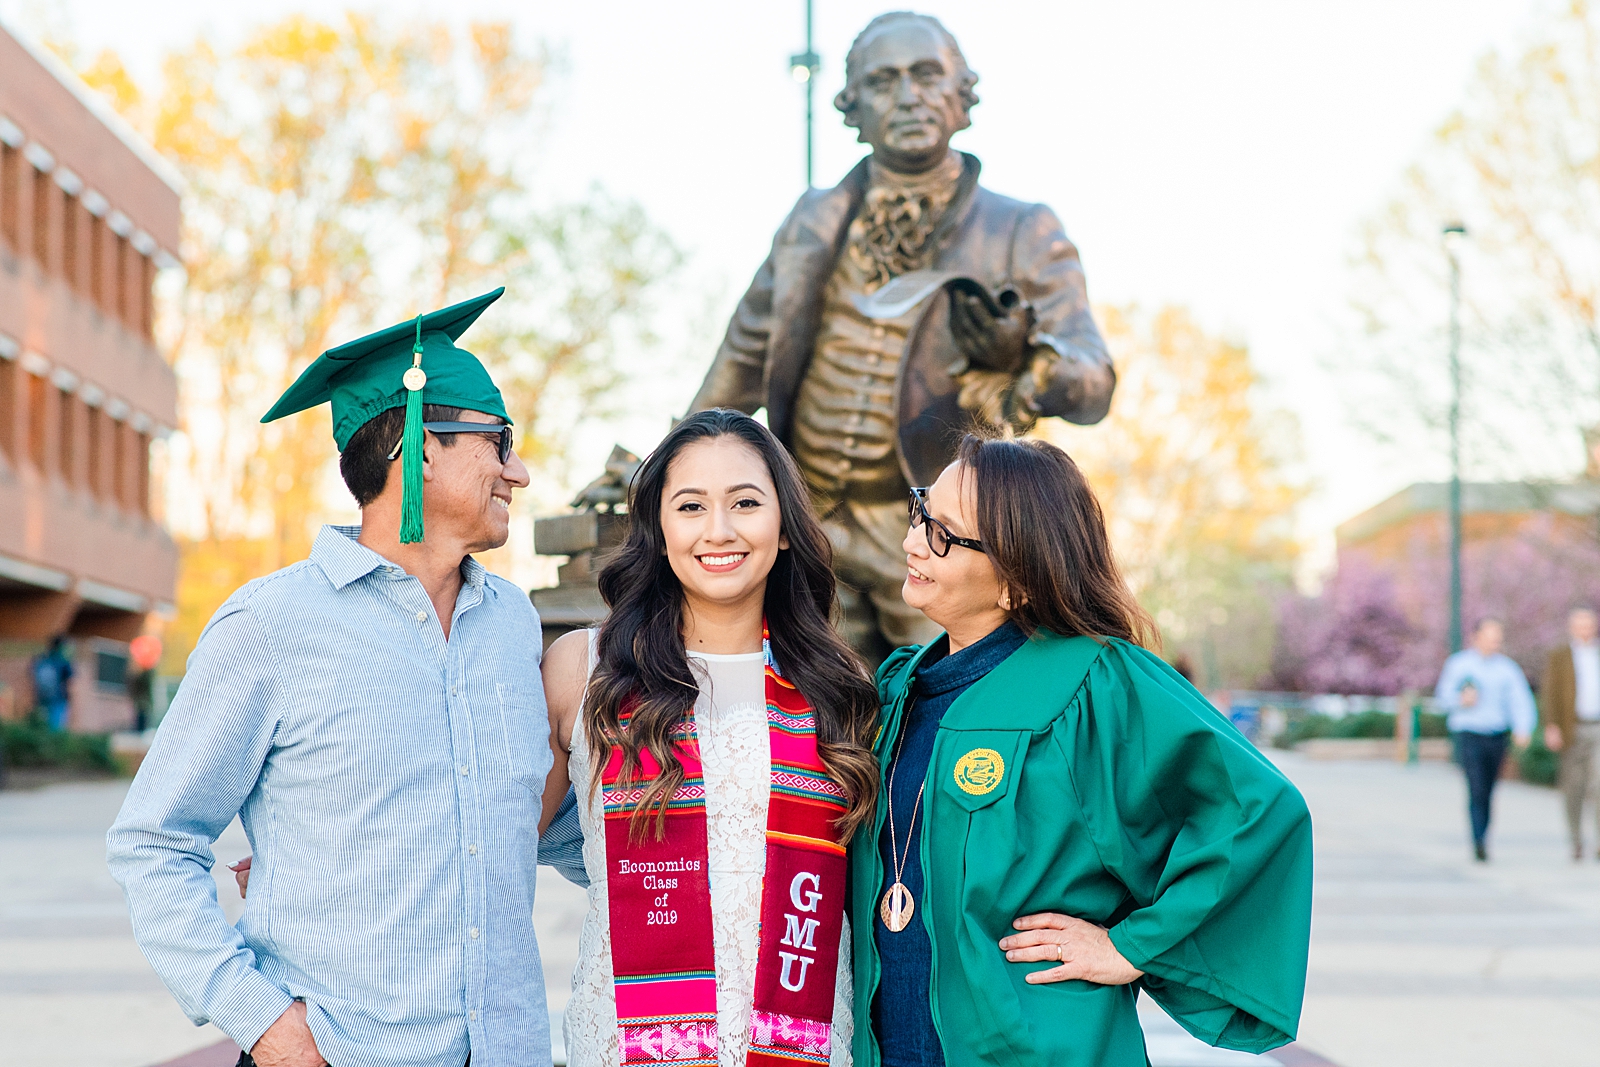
584	536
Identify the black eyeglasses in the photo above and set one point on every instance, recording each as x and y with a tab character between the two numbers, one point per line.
939	536
496	429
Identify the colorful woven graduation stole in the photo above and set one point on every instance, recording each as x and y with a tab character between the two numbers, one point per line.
660	902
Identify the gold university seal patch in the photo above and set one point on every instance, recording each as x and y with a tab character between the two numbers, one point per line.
979	771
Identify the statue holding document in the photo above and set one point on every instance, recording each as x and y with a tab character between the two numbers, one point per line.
898	308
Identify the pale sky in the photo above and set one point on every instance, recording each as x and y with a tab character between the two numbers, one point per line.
1218	155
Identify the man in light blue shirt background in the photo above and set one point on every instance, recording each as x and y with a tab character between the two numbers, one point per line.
1488	701
375	717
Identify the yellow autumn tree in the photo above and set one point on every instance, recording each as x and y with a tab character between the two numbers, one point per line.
343	174
1195	470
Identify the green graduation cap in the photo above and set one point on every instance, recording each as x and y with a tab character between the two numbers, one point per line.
411	364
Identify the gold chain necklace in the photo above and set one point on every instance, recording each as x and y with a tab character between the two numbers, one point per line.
897	906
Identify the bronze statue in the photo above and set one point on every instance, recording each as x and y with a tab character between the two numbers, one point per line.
872	395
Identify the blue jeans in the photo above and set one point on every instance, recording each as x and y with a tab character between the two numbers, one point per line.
1481	756
56	713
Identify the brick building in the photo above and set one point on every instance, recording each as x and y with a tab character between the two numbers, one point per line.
88	215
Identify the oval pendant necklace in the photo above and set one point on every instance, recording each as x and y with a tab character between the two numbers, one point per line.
898	905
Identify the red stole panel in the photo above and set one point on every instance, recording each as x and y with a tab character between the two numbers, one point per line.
660	904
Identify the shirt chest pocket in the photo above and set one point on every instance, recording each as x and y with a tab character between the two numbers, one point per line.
525	728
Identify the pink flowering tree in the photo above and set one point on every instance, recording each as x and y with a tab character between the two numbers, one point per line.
1353	638
1379	628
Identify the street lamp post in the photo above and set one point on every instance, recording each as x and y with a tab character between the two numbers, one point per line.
804	67
1453	233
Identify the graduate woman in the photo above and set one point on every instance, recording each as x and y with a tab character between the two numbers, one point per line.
718	733
1064	819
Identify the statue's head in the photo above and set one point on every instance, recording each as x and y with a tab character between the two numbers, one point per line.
907	89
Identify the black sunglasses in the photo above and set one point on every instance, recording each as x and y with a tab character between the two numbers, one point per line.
497	429
939	536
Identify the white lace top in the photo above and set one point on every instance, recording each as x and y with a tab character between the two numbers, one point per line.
731	719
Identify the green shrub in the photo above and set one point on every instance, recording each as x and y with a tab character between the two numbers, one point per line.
1303	728
1363	724
32	744
1315	725
1434	725
1537	763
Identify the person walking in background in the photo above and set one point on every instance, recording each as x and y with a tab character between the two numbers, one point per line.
52	673
1571	714
1488	700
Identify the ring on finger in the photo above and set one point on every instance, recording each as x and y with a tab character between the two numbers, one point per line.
1059	958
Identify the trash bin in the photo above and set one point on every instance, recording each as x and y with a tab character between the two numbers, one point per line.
1245	714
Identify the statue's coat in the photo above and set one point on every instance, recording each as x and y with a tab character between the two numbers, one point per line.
997	240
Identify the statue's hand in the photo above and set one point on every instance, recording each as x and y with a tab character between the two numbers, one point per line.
989	342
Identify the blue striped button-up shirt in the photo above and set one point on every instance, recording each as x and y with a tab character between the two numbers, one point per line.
389	783
1504	700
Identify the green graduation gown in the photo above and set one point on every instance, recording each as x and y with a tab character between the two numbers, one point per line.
1089	779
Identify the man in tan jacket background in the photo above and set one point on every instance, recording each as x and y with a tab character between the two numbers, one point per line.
1571	713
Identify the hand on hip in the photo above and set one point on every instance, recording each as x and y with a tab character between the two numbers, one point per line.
1083	950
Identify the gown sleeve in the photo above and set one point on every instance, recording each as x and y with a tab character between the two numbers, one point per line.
1211	841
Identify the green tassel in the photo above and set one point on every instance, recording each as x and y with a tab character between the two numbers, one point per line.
411	471
411	454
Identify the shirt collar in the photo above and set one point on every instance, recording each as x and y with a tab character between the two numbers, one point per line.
344	559
960	669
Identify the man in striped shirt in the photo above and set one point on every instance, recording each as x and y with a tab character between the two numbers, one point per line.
374	715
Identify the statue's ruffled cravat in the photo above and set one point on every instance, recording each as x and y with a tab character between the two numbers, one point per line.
890	234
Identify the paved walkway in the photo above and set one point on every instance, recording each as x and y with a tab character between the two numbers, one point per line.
74	990
1419	956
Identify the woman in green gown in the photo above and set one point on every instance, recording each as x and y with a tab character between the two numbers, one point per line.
1064	820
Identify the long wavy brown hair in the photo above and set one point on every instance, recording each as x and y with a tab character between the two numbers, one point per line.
641	657
1042	528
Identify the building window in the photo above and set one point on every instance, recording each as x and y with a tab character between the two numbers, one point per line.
43	193
67	427
147	297
97	260
120	265
111	670
70	210
142	488
119	463
94	419
10	193
38	420
8	409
